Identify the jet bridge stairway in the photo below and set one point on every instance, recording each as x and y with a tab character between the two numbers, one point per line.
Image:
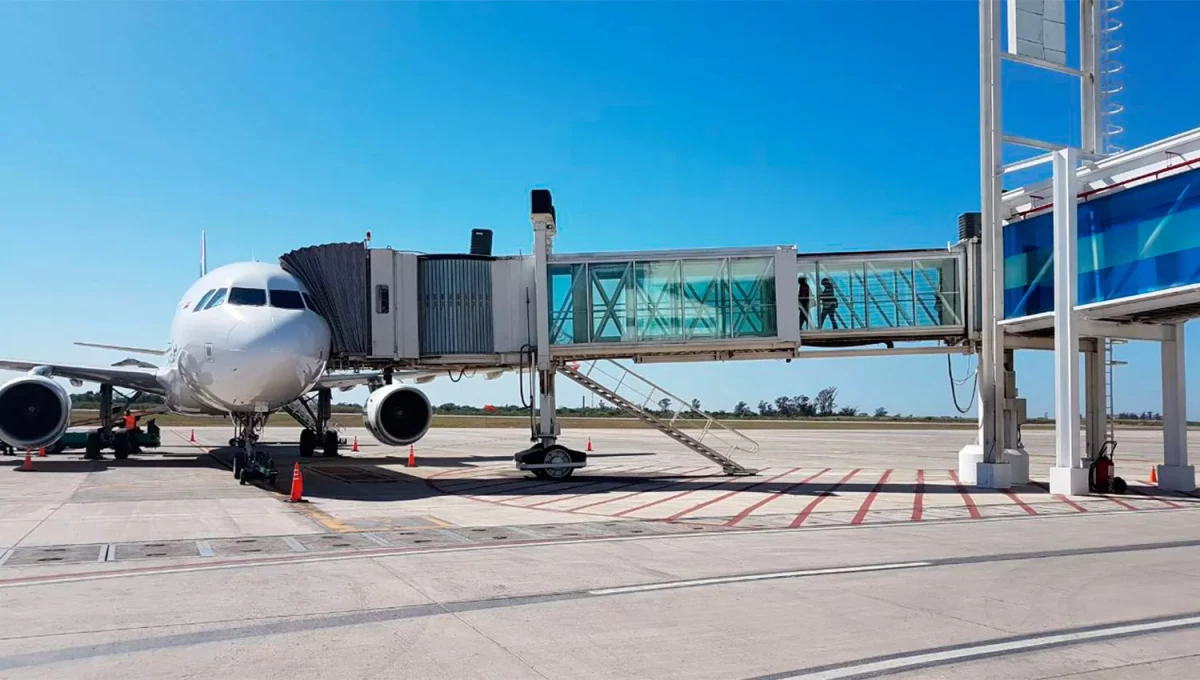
304	411
639	393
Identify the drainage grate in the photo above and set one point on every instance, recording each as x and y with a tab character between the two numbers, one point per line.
316	542
249	546
574	530
424	538
139	551
350	474
60	554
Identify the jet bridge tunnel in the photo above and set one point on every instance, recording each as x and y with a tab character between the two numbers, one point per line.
394	308
548	311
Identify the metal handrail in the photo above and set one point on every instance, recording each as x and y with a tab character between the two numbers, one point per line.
740	442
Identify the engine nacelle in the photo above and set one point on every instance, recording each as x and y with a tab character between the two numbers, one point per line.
34	412
398	415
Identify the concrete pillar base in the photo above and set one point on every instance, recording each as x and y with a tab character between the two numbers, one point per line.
1177	477
971	456
968	457
993	476
1069	481
1018	462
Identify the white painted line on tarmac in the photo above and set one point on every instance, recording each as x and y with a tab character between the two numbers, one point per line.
375	539
991	649
295	545
105	552
204	548
757	577
4	555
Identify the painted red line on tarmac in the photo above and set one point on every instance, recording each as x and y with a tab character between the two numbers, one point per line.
974	511
557	498
919	497
553	486
1154	498
622	485
782	492
862	510
1119	502
1059	496
1190	494
723	496
672	497
820	497
1015	499
657	487
1070	502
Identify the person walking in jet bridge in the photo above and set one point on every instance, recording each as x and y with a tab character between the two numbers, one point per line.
828	303
804	298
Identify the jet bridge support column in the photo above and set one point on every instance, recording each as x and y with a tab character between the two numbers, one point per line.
1175	474
544	228
547	459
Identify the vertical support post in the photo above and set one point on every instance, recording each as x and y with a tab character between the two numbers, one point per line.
1089	86
1175	474
1095	424
1068	476
544	228
985	458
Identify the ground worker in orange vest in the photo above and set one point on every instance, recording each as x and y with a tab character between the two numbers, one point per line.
131	431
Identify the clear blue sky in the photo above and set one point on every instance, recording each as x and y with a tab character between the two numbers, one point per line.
127	128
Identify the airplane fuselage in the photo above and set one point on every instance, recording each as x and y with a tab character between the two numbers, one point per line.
244	339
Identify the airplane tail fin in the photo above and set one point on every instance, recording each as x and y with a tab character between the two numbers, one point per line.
203	255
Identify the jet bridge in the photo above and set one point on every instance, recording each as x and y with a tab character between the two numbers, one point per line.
550	311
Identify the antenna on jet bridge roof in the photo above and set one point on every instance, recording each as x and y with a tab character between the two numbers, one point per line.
203	255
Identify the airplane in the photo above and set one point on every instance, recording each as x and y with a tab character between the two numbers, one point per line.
246	341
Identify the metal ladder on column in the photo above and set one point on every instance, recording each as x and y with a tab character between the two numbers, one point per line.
634	394
1109	401
303	412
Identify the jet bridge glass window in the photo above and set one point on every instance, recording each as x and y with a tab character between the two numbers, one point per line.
217	299
203	300
248	297
286	299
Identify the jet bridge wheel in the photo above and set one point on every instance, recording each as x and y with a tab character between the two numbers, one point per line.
308	443
555	455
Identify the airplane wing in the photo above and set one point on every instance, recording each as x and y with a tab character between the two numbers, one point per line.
345	381
134	377
123	348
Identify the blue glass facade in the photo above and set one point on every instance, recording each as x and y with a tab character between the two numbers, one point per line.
1139	240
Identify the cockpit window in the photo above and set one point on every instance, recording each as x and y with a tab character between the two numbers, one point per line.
217	299
286	299
203	300
248	297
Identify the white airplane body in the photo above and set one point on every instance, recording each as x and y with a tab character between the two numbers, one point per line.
246	341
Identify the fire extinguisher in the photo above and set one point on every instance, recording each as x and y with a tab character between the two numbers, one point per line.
1102	473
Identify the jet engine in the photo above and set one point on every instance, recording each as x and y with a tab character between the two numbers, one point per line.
34	411
397	415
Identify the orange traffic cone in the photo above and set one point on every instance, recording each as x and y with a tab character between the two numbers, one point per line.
297	485
193	439
355	447
1154	475
589	446
28	466
412	456
42	452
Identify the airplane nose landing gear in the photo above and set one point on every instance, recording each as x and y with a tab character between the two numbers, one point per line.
252	464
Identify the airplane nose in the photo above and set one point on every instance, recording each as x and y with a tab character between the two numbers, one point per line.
276	360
